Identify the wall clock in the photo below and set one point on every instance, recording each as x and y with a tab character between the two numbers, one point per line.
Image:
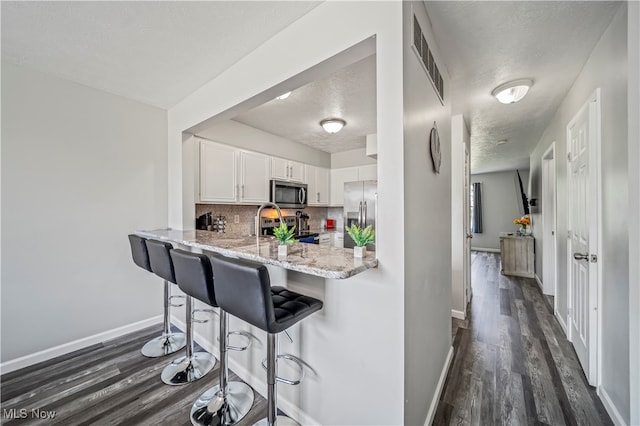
434	144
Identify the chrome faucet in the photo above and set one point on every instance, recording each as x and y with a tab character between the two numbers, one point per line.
260	211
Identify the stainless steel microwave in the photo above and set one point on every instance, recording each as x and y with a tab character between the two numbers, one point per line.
289	195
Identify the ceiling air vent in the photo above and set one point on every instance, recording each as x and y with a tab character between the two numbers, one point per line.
421	48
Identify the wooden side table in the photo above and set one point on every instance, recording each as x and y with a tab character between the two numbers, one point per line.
517	254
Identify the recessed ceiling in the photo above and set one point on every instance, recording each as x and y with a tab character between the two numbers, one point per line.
152	52
485	44
349	94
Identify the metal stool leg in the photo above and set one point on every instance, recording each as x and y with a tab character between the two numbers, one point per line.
228	402
272	373
192	366
169	342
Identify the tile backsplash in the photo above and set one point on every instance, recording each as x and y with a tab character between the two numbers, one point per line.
246	216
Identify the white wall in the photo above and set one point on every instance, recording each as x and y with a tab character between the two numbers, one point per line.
81	170
460	139
606	69
633	47
363	317
501	203
427	227
237	134
351	158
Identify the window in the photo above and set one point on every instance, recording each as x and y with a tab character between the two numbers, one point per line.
475	203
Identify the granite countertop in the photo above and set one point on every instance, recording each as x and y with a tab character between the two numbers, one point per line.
314	259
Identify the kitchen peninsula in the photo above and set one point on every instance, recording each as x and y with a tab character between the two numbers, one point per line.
320	260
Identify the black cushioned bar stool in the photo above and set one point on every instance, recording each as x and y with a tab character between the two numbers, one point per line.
243	289
228	402
169	342
193	365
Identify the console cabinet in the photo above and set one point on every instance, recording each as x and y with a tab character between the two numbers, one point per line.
518	255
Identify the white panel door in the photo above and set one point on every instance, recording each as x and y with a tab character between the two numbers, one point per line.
218	173
466	208
583	232
254	177
338	179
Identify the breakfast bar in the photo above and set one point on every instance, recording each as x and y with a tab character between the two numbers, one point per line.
322	260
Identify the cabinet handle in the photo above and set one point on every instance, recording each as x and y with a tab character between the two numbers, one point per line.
237	191
243	191
318	197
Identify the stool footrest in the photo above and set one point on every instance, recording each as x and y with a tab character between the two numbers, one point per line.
245	334
175	305
201	321
295	360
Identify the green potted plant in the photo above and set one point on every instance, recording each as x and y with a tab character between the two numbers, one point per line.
361	237
284	234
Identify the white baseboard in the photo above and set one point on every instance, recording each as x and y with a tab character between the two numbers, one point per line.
563	325
258	383
458	314
436	397
490	250
539	283
618	420
65	348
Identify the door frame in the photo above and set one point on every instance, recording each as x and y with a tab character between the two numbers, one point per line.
551	151
466	203
593	371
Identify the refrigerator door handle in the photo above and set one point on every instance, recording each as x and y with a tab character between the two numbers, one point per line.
364	215
360	215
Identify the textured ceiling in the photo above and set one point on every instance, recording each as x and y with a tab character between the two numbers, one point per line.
485	44
152	52
349	93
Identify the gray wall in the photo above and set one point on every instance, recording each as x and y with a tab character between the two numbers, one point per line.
427	228
80	170
501	203
606	69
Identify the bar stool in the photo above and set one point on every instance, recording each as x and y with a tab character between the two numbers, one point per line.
228	402
193	365
169	342
243	289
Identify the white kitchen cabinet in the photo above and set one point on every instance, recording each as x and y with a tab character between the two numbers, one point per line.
369	172
230	175
317	185
254	177
287	170
338	177
218	173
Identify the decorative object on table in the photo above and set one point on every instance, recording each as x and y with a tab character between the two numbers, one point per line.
284	234
220	224
523	222
361	237
434	146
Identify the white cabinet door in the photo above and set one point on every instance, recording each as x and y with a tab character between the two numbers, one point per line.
218	173
368	172
322	185
317	185
254	177
338	179
296	171
279	168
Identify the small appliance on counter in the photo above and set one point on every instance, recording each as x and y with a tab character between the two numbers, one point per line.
302	221
204	222
331	223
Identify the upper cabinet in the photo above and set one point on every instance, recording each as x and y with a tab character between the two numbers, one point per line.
254	177
230	175
282	169
317	185
218	173
349	174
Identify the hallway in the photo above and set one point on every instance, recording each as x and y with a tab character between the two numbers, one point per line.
512	363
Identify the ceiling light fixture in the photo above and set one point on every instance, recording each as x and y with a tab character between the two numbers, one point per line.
333	125
283	96
512	91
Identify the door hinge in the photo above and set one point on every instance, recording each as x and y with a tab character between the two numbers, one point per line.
568	156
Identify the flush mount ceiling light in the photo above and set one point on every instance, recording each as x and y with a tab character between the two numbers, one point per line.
333	125
512	91
283	96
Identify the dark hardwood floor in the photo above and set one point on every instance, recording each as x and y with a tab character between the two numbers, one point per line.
106	384
512	363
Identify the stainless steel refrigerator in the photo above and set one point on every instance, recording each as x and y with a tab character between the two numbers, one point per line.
360	207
